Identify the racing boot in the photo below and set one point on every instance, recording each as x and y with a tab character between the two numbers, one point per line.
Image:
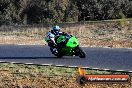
55	51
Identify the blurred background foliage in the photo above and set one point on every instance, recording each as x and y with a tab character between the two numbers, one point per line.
60	11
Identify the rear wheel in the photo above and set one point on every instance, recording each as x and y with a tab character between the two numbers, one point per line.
80	52
59	55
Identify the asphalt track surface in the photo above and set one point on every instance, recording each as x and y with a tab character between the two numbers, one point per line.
104	58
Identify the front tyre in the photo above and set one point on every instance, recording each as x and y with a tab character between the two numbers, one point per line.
80	52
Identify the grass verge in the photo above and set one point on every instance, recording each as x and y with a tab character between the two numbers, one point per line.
37	76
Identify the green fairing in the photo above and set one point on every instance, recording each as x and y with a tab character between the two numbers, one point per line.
70	45
72	42
60	39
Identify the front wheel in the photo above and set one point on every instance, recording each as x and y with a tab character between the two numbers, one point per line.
80	52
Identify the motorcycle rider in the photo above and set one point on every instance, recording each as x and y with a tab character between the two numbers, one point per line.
51	38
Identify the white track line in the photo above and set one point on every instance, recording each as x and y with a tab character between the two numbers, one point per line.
66	66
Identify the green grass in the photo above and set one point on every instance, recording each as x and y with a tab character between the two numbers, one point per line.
44	70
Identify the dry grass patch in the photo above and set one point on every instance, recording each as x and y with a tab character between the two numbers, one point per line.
102	34
34	76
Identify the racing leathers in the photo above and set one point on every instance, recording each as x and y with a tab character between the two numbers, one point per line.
51	41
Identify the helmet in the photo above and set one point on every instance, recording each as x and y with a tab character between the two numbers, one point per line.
56	29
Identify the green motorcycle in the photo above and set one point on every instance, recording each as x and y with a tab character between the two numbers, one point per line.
67	45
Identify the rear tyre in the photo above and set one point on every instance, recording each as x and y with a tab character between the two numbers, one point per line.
59	55
80	52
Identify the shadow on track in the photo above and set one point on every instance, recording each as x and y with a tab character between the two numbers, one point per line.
26	57
38	57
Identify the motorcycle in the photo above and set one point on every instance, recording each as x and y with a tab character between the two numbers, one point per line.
67	45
